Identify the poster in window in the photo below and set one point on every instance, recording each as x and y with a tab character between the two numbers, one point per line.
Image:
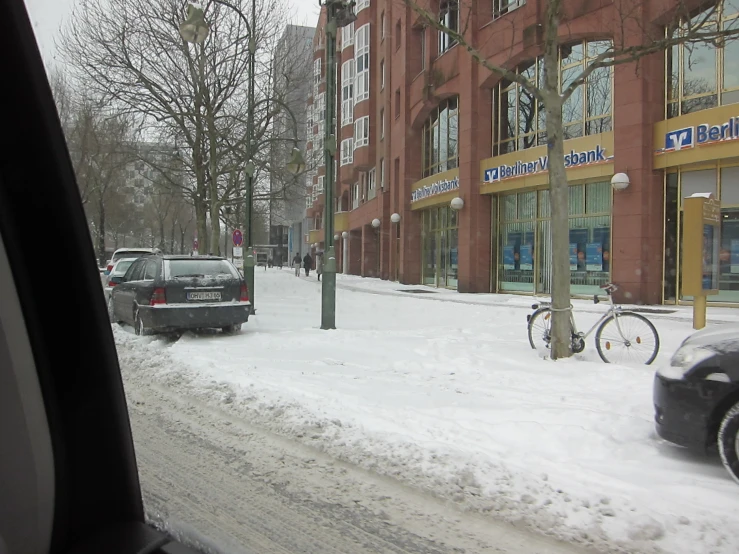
573	256
710	258
453	257
509	257
527	257
734	256
594	256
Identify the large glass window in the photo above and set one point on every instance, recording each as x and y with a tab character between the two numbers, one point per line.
525	251
449	17
519	120
723	182
440	239
347	151
362	61
441	138
347	92
702	76
361	132
347	35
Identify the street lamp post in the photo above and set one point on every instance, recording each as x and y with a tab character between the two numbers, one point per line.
195	30
339	13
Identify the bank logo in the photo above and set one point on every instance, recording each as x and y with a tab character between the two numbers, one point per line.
492	175
679	139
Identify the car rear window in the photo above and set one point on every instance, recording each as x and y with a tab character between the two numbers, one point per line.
129	254
200	268
122	267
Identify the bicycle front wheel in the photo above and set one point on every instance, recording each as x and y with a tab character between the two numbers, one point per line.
627	338
540	328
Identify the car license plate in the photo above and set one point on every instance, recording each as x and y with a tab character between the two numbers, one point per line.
203	295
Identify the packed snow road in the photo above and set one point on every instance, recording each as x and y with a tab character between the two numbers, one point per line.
449	399
222	484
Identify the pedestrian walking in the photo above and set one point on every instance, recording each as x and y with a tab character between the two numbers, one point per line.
296	264
307	264
319	264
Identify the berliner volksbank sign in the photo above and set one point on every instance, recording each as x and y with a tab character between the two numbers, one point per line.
433	189
521	168
700	135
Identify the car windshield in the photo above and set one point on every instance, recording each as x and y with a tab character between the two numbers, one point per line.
129	253
333	349
199	268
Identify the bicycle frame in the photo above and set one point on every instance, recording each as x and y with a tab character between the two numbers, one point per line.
613	310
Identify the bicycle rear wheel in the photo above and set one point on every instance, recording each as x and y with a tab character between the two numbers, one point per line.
637	340
540	328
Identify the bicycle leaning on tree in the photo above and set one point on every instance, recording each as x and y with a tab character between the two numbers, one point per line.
622	336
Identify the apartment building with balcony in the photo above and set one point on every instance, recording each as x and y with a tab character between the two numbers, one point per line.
421	124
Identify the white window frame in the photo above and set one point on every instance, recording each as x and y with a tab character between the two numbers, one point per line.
320	185
361	132
347	151
362	58
371	184
382	26
382	74
347	92
502	7
382	123
448	15
355	196
347	36
361	5
382	173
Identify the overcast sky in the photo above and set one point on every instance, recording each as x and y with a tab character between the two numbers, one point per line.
48	15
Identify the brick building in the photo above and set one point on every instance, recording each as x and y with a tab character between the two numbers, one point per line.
420	124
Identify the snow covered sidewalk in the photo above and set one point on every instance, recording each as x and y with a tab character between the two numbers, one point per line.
449	397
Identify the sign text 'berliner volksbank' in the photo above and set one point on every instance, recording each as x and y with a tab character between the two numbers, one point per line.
523	169
439	187
689	137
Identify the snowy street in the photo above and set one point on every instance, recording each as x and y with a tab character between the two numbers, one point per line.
445	397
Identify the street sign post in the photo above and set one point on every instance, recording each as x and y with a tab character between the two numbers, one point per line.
238	237
238	252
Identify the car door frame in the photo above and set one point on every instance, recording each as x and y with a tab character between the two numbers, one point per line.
124	293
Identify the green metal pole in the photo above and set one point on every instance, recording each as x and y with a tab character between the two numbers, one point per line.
249	261
328	288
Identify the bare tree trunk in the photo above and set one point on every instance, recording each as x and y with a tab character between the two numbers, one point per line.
101	229
558	190
171	238
200	218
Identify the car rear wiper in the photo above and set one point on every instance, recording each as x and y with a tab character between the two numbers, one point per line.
190	275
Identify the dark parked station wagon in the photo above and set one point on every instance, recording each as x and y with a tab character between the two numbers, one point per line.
174	293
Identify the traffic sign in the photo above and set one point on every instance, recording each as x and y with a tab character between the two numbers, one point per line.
238	238
238	252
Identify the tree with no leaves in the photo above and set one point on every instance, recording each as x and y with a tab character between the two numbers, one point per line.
641	28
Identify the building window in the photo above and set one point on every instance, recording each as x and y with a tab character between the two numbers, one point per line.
502	7
382	74
371	184
319	187
525	245
347	92
362	59
723	181
347	35
702	76
382	26
439	244
382	173
440	138
316	73
520	122
382	123
355	196
398	35
449	17
347	151
361	5
361	132
397	103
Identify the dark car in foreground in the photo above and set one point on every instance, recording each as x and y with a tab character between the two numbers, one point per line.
696	396
161	294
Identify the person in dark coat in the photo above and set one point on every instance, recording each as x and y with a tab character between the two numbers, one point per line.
296	264
307	263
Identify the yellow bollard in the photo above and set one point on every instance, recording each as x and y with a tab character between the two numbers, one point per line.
699	312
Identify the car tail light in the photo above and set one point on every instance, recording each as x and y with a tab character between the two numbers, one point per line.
109	268
244	293
112	283
158	297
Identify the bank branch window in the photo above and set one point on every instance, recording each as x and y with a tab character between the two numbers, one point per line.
703	76
440	247
519	120
441	138
525	246
723	183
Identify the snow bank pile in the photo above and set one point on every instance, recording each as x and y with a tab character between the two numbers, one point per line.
458	404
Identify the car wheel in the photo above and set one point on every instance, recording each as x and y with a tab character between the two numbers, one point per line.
139	327
231	329
728	441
